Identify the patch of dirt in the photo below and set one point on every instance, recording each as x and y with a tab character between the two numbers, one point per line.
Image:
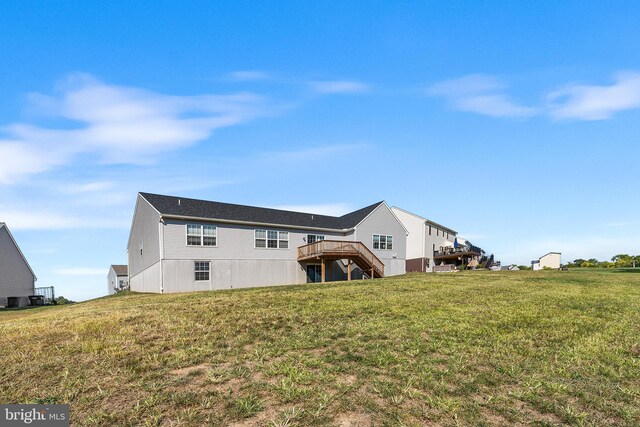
189	370
354	419
347	379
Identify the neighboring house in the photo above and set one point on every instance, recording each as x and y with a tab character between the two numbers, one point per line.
429	243
550	260
511	267
178	244
16	276
117	279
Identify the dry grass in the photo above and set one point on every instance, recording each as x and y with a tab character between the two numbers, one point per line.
479	348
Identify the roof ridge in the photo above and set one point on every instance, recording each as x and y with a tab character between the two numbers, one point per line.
208	209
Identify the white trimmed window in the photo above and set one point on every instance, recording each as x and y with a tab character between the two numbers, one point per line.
201	235
271	239
312	238
202	269
382	241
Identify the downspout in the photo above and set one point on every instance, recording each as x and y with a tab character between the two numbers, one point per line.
161	234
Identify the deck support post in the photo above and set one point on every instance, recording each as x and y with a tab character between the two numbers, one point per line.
349	270
323	269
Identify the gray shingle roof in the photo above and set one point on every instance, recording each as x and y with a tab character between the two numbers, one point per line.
121	270
194	208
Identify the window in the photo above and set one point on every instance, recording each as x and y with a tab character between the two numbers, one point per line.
381	241
141	247
429	230
271	239
201	235
312	238
202	270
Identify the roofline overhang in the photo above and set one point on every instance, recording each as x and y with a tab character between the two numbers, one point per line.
263	224
427	221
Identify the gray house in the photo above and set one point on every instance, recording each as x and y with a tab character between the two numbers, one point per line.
16	276
117	279
178	244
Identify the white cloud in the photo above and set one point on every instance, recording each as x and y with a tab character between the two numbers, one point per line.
81	271
584	102
117	124
481	94
249	75
339	87
331	209
38	218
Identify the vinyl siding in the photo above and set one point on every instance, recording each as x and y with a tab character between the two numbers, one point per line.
149	280
144	228
382	221
16	279
235	261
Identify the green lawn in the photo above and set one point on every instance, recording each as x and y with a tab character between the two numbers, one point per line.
476	348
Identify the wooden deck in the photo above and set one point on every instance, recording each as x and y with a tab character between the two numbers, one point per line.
451	253
331	250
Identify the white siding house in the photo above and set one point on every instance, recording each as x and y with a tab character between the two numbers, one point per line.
424	240
117	279
178	244
16	276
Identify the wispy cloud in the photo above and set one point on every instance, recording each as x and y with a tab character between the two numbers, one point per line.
619	224
81	271
249	75
331	209
481	94
339	87
42	218
590	102
117	124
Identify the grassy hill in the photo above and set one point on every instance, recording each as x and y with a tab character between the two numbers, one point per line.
477	348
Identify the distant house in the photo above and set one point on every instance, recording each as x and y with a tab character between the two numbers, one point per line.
550	260
178	244
430	244
16	276
117	279
511	267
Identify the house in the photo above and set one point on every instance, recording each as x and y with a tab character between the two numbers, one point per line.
430	244
16	276
511	267
550	260
178	244
117	279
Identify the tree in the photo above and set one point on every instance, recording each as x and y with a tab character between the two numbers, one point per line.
62	300
622	260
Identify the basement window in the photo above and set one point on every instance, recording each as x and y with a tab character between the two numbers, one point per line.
382	241
201	235
202	269
271	239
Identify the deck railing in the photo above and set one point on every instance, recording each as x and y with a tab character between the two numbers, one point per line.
336	248
461	250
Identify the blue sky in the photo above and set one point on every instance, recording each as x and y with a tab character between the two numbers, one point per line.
514	123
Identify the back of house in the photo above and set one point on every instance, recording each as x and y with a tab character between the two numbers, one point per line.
179	244
16	277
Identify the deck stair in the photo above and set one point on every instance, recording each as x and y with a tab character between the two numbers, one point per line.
333	250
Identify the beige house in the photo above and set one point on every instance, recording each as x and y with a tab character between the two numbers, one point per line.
550	260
